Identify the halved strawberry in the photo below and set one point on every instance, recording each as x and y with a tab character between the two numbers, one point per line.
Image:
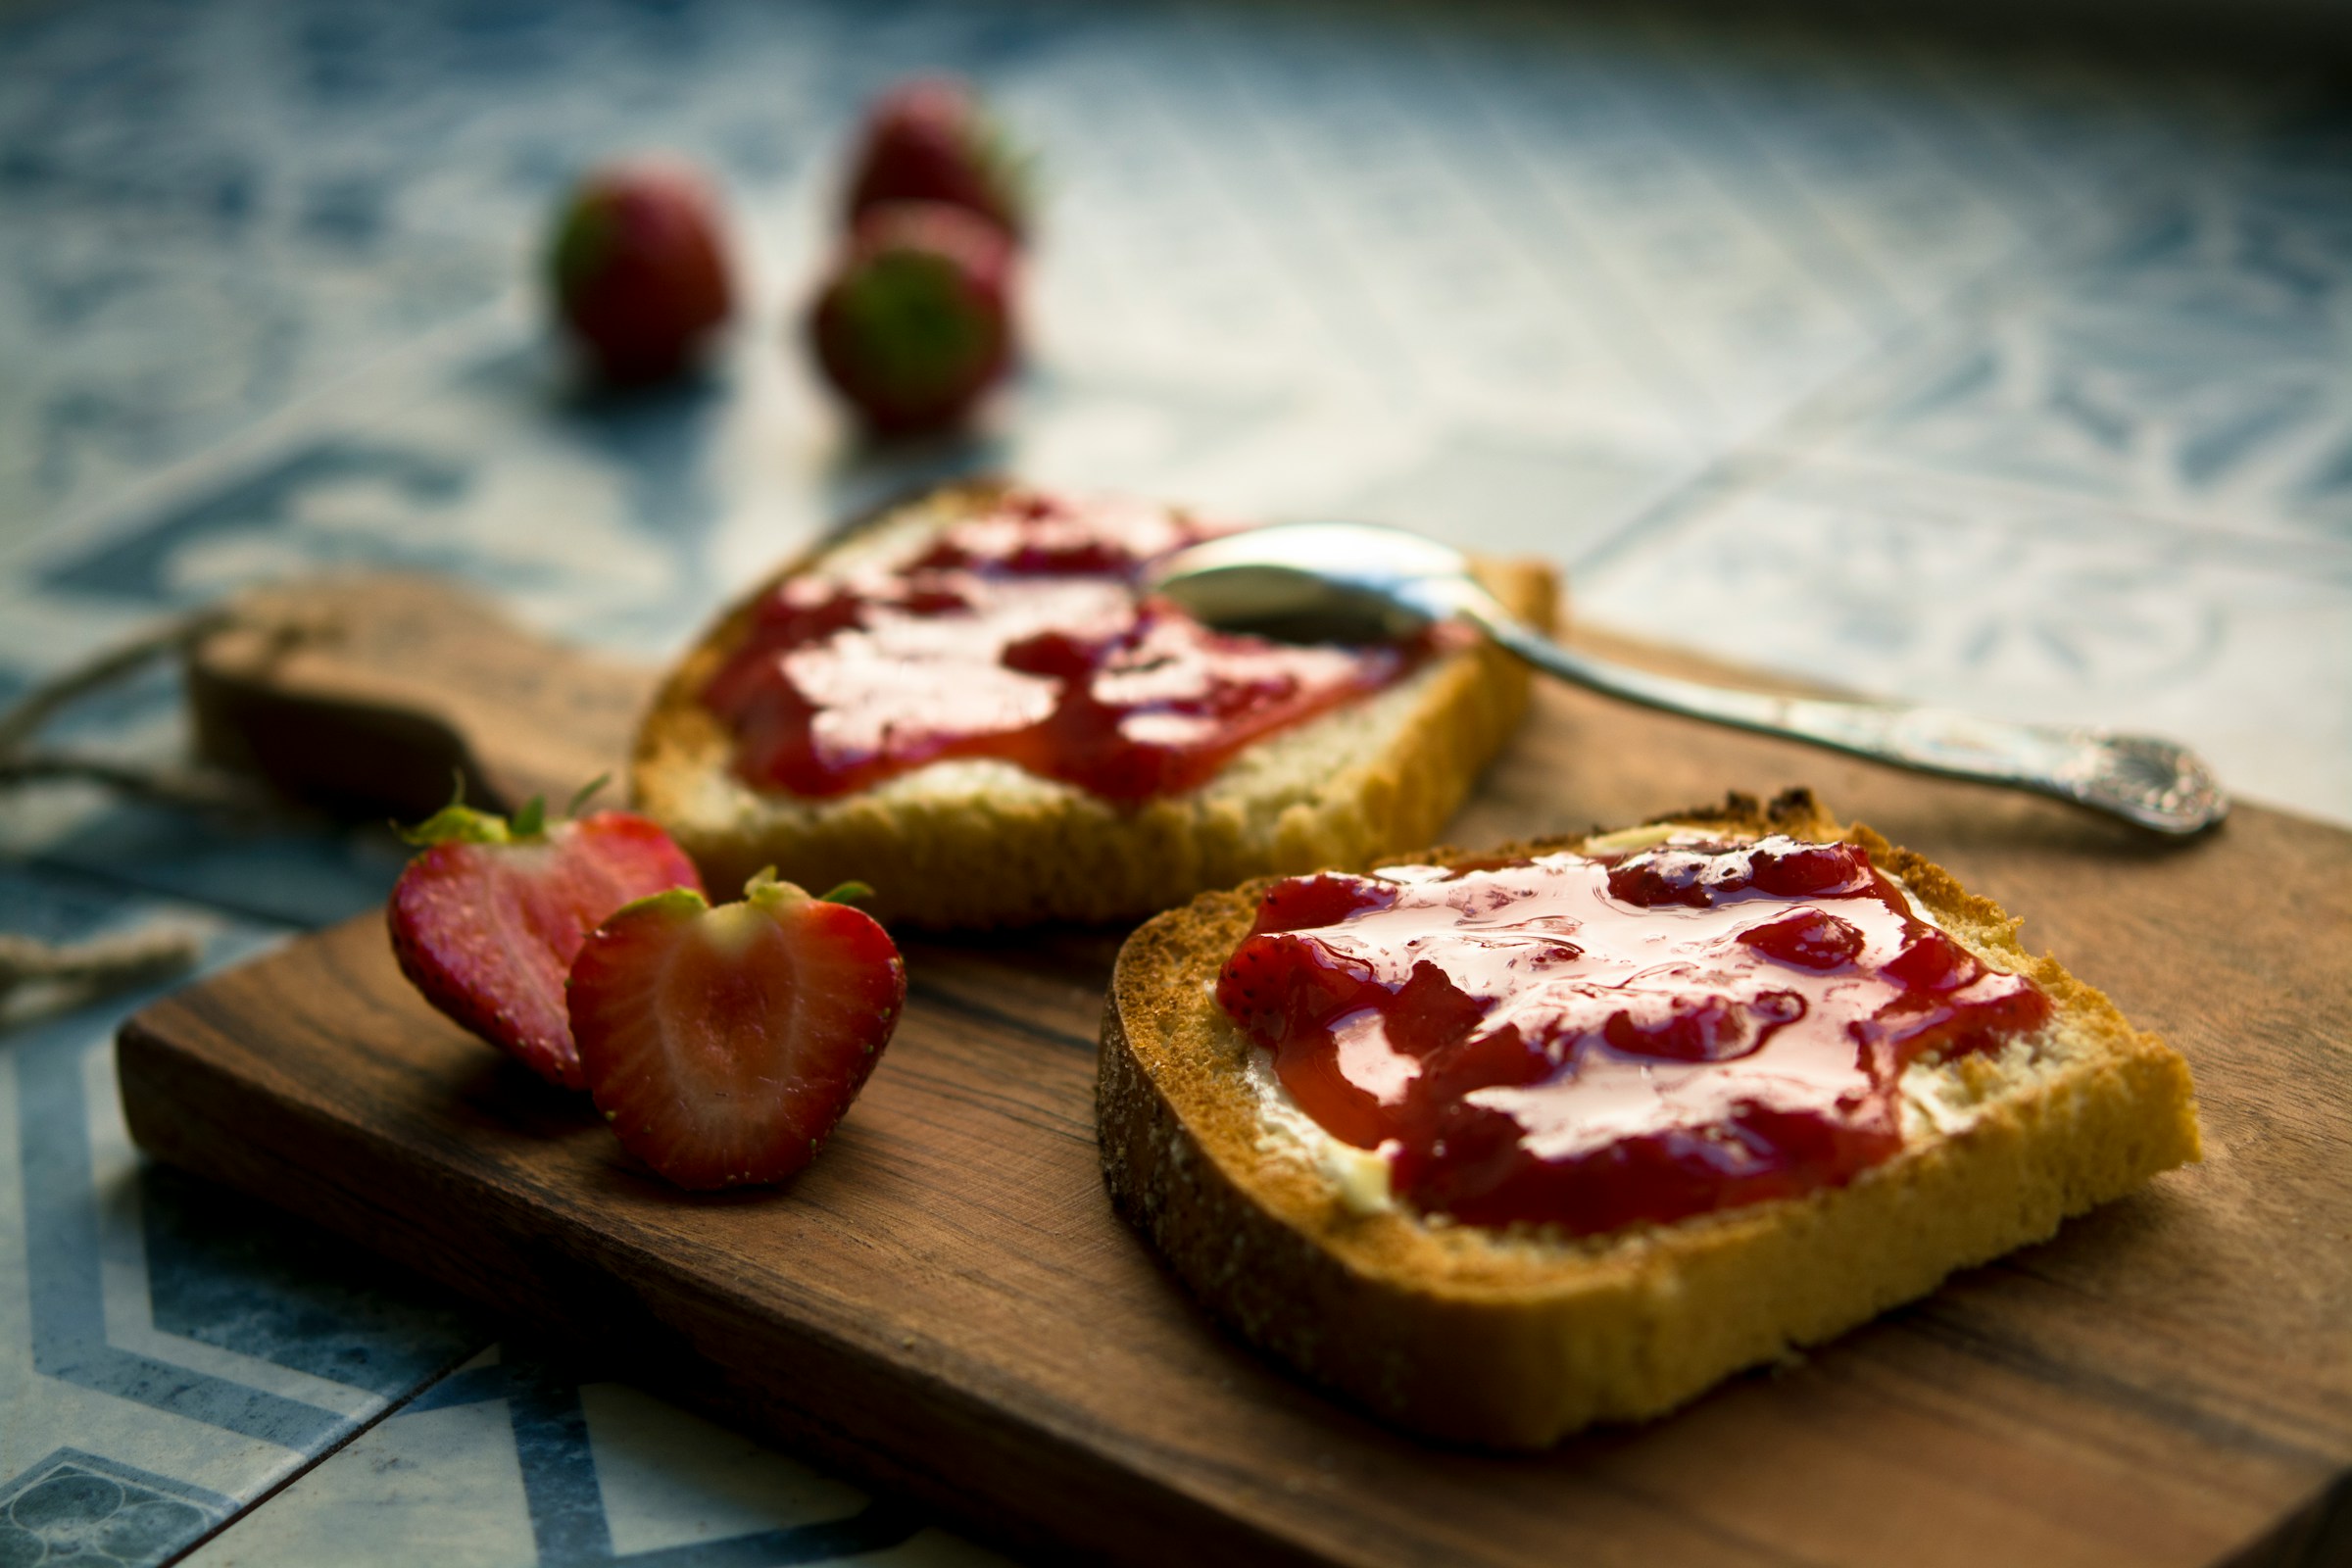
486	920
724	1044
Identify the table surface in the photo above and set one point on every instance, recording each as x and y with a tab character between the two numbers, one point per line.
1996	376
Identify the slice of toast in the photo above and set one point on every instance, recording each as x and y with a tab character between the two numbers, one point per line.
1513	1338
980	842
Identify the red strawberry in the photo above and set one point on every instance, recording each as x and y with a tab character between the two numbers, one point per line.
486	920
931	140
639	271
915	321
724	1044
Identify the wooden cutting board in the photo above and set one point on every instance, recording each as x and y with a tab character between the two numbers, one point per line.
946	1304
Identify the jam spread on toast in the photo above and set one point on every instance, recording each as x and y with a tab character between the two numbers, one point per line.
1019	634
1591	1041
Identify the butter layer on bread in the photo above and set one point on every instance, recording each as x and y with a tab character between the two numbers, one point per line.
981	841
1514	1338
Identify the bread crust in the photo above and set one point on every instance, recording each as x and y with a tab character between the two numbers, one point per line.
982	844
1514	1339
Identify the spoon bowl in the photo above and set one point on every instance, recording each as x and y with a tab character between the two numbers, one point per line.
1342	582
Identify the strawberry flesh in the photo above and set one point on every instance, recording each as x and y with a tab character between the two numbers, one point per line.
724	1045
486	928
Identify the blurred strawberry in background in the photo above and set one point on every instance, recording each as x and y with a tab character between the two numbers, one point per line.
639	270
931	140
914	320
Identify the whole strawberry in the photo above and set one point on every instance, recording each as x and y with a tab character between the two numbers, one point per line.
915	321
724	1044
486	920
931	140
638	269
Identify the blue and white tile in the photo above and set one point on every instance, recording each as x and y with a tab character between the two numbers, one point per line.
1656	237
212	215
80	1508
508	1462
168	1353
1625	234
2190	362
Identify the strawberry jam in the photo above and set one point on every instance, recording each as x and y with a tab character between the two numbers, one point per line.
1588	1042
1020	634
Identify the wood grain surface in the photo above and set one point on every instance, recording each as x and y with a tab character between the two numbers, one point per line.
945	1303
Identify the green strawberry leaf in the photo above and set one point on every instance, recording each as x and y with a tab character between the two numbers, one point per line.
585	793
460	824
670	900
456	824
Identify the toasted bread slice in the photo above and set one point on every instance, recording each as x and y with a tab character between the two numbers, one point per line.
978	842
1516	1337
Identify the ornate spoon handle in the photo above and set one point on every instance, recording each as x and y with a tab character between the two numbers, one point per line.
2151	782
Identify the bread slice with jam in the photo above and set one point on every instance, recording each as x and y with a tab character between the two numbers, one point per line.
1056	814
1645	1221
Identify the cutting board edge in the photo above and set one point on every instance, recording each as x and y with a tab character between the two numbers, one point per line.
1128	1518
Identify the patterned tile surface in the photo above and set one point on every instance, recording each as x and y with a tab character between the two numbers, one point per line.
168	1354
75	1506
1998	378
512	1463
2188	363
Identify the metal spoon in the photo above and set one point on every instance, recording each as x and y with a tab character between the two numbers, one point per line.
1360	582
